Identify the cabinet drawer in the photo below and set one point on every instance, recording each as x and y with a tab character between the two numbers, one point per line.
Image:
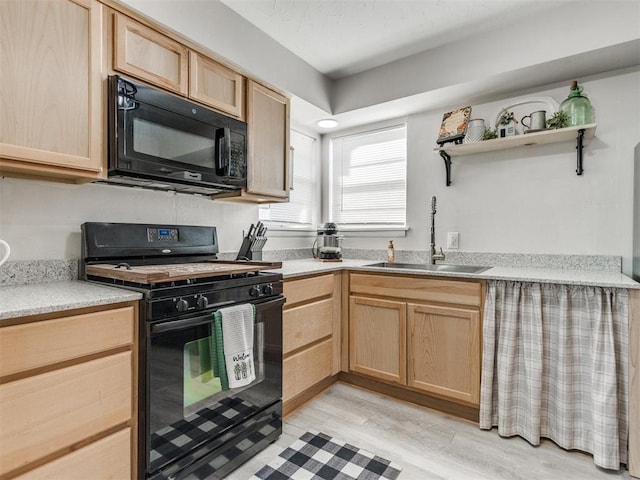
307	323
32	345
306	368
49	412
306	289
109	458
460	292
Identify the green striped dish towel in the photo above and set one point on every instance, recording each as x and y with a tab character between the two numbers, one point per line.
220	364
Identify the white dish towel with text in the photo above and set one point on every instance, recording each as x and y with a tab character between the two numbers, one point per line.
237	336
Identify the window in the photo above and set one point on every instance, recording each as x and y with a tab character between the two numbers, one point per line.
303	207
368	178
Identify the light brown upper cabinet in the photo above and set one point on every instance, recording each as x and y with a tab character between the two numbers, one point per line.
268	124
147	54
51	92
216	85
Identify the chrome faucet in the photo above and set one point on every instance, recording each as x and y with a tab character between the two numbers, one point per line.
433	256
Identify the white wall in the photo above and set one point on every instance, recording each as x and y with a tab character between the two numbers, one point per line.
220	29
550	44
41	220
530	200
526	200
636	216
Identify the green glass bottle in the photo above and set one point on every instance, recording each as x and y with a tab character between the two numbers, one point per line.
577	106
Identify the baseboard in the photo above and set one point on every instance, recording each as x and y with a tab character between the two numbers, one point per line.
401	393
300	400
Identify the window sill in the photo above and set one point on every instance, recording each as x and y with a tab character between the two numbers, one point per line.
275	230
373	231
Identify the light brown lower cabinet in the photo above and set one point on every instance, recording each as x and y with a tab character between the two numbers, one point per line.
377	333
311	336
427	339
443	351
108	458
68	397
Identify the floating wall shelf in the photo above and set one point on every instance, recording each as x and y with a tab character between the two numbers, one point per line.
577	134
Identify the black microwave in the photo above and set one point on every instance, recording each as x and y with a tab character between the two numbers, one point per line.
161	141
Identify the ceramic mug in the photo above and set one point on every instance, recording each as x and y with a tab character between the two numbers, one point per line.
7	252
537	120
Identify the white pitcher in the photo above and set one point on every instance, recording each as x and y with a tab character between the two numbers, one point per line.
475	130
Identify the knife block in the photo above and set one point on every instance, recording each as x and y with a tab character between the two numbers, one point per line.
251	249
255	251
255	255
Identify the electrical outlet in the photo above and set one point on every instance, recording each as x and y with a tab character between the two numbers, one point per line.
452	241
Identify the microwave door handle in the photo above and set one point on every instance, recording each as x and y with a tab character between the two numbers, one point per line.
223	151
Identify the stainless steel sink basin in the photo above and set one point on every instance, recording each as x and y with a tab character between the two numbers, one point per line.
431	268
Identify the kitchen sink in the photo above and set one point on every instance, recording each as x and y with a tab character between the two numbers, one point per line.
431	268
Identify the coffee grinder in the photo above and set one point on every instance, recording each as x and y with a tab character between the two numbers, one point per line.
328	244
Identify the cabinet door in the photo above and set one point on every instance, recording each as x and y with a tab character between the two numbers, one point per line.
268	130
148	55
444	351
216	85
51	90
377	338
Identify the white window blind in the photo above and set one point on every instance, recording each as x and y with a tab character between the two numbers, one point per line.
369	181
304	200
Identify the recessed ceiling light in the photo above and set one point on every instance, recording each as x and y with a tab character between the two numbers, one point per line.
327	123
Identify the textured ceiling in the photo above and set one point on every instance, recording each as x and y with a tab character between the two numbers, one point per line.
343	37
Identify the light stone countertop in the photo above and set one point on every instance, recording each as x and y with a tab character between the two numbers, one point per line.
32	299
23	300
595	278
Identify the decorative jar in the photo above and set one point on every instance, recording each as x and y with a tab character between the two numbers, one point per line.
577	106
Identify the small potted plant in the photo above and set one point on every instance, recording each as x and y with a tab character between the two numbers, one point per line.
560	119
489	134
506	124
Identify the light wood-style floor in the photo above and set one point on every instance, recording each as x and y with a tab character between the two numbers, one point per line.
427	444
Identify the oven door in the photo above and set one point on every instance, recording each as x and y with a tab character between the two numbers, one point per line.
188	408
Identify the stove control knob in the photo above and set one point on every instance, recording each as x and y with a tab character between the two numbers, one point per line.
267	289
254	291
182	305
203	302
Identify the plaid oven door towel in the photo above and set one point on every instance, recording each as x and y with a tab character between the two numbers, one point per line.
317	456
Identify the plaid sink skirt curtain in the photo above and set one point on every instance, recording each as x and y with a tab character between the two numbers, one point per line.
554	365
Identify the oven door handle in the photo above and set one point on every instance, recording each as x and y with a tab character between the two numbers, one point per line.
271	303
204	319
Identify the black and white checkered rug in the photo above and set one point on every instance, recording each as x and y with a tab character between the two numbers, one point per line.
317	456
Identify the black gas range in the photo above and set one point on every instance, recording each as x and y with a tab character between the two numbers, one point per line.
192	424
